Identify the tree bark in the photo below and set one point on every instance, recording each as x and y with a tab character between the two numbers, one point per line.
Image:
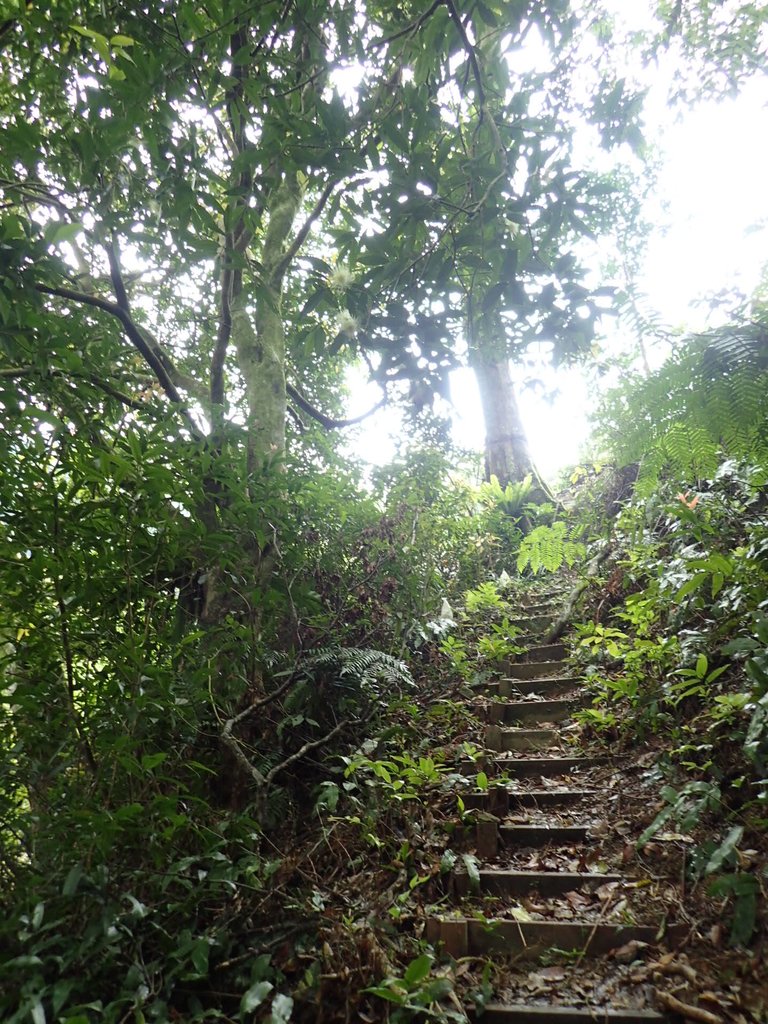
507	455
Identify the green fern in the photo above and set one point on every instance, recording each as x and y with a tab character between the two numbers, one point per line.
354	667
548	548
510	499
708	398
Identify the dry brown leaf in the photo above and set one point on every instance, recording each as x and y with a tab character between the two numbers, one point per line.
629	952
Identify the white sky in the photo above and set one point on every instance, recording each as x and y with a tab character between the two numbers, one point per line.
710	216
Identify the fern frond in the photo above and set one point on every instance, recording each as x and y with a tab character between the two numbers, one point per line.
709	398
359	666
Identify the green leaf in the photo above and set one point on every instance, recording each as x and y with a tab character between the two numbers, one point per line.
417	970
255	996
282	1008
725	850
482	781
692	584
122	41
72	880
150	761
391	995
448	861
473	871
66	233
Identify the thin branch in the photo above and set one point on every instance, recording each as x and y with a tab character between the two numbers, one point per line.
231	743
300	424
328	421
16	372
454	16
116	274
305	228
224	332
69	666
260	703
230	740
409	29
151	357
303	751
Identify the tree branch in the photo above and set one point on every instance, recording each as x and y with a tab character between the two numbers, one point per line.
303	751
306	227
224	331
454	16
116	274
16	372
69	665
135	336
409	29
328	421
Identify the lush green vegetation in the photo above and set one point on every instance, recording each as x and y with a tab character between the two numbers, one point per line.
230	656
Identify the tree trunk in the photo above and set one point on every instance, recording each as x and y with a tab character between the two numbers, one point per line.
506	445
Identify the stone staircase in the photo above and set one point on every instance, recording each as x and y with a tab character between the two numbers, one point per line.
534	811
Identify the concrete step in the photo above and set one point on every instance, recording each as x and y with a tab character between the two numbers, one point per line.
548	884
461	936
526	711
542	835
533	624
497	738
520	1013
500	800
544	652
550	687
543	607
534	669
491	836
526	767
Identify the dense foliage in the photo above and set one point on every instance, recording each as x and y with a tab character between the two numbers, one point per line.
228	653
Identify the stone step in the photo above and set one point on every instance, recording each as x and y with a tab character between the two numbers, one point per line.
538	623
528	710
521	1013
491	837
544	652
500	739
542	835
552	606
520	687
548	884
500	800
535	669
461	936
527	767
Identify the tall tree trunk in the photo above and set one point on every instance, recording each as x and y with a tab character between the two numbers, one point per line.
506	445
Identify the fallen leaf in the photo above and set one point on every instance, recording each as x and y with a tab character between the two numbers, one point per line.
672	837
606	890
552	973
629	952
520	914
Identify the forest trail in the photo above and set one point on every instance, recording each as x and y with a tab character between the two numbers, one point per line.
555	888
